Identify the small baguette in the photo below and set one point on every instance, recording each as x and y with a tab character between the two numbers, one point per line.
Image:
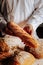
18	31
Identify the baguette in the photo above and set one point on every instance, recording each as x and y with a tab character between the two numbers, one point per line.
18	31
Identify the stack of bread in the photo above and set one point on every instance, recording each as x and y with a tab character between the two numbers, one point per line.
12	48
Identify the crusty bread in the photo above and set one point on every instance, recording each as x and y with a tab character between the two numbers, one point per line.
4	49
38	52
4	55
22	34
25	58
3	46
21	58
16	56
14	42
8	45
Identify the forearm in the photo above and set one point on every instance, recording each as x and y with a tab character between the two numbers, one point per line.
37	18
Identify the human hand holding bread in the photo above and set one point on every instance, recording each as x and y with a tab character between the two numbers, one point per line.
18	31
14	30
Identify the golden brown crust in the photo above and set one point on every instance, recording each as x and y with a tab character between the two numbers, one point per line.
8	31
37	52
22	34
4	49
3	46
4	55
25	58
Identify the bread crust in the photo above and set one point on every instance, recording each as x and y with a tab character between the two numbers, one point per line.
17	31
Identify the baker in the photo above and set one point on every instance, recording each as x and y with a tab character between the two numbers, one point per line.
19	11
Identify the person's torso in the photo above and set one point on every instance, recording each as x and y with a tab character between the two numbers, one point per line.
19	10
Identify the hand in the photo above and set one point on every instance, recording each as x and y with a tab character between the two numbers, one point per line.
29	29
8	31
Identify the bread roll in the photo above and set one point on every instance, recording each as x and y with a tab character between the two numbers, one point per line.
24	58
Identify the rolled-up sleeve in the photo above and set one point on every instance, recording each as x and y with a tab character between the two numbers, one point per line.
37	18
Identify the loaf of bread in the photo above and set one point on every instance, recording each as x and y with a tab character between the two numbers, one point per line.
22	34
19	58
37	52
15	56
8	45
24	58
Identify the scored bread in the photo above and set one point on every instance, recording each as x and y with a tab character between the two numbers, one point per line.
8	45
38	52
24	58
18	31
21	57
